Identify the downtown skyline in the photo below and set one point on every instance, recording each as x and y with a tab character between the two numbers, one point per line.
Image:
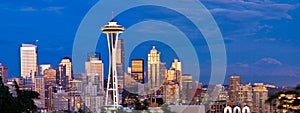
264	44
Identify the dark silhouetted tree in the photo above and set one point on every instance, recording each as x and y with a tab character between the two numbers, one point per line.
22	103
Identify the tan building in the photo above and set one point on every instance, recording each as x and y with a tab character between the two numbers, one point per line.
171	93
50	77
4	73
28	56
187	81
154	78
75	94
260	95
95	65
39	87
50	82
234	84
137	70
66	61
245	96
178	69
43	67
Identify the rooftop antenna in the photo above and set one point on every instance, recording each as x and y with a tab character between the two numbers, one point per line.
36	42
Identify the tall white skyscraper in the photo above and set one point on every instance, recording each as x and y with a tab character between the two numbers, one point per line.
28	54
154	78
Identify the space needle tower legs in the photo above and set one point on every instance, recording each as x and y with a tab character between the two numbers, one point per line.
112	31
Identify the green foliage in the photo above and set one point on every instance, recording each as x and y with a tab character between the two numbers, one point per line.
81	110
140	107
23	103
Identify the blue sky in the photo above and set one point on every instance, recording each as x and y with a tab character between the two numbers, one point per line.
261	37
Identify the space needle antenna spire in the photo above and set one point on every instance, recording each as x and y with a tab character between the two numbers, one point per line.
112	31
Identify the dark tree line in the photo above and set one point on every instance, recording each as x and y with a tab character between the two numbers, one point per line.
278	102
21	103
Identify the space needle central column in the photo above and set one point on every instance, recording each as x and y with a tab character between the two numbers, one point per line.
112	31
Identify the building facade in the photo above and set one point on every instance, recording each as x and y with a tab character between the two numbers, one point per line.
137	70
67	62
95	65
94	94
39	86
61	76
43	67
4	73
28	56
234	84
61	101
260	95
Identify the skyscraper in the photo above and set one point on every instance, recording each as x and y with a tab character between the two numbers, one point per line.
137	70
154	77
50	83
244	96
61	78
75	93
94	83
234	84
43	67
187	81
4	73
50	77
66	61
120	57
93	95
176	65
39	86
28	54
61	100
95	65
260	95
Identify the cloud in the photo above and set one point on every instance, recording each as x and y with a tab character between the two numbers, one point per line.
245	18
264	67
28	9
272	61
48	9
265	40
56	9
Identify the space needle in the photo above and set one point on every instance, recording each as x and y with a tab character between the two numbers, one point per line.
112	31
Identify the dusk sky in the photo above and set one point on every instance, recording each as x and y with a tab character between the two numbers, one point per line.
261	36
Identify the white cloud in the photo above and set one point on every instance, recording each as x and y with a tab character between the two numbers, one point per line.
28	9
264	61
56	9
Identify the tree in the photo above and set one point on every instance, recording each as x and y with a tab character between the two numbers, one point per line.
22	103
8	103
140	106
25	99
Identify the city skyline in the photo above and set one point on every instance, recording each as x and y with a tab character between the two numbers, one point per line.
260	47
